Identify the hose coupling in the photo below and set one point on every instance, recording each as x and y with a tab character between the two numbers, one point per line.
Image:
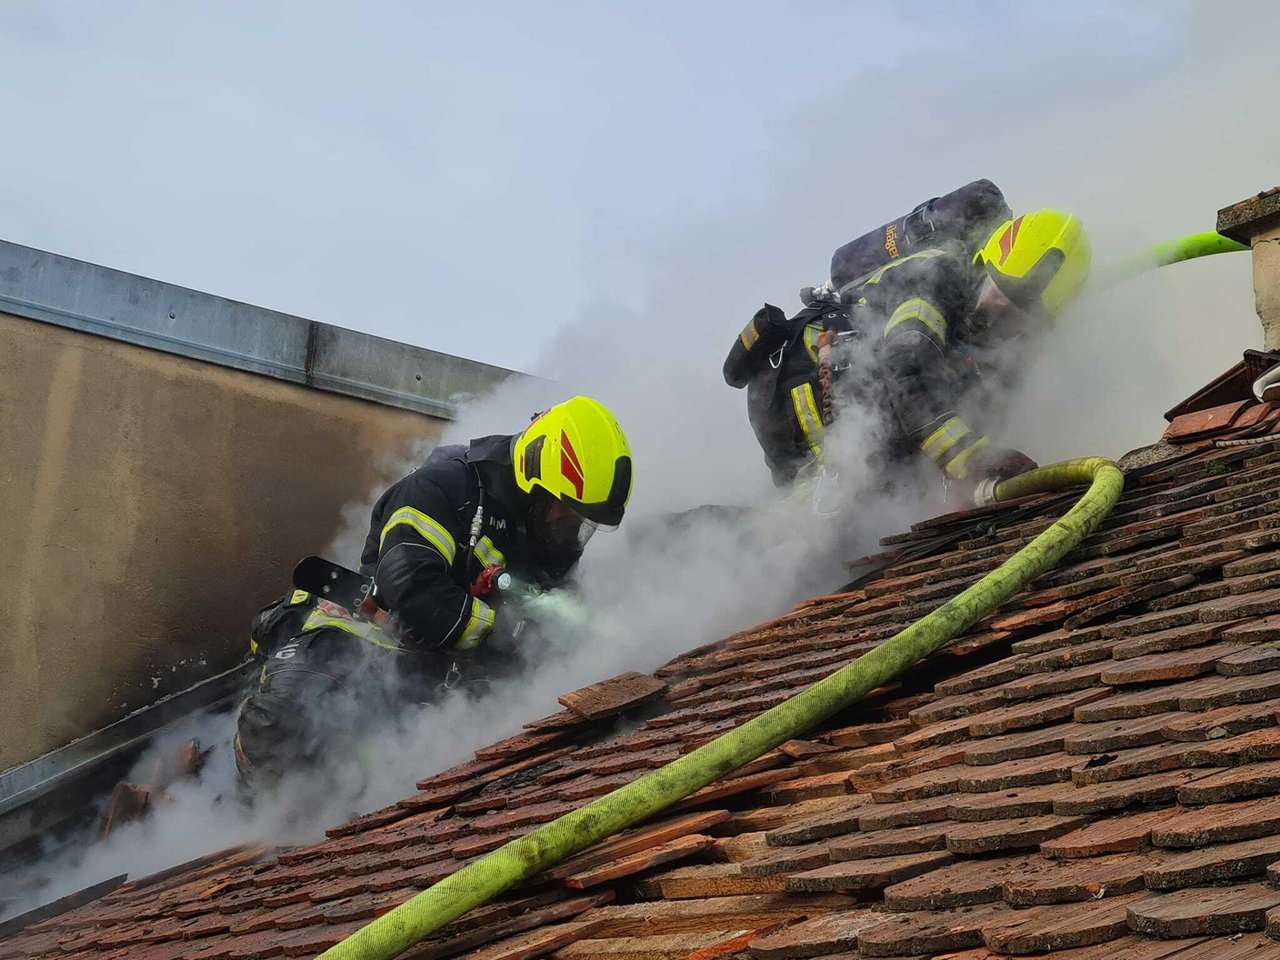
984	494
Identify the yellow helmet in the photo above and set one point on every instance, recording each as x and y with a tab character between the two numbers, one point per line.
577	453
1039	260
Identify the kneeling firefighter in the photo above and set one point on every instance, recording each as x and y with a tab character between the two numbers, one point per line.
929	312
442	540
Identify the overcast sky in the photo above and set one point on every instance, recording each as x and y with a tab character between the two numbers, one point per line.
468	176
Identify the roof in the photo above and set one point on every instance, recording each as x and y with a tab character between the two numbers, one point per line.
1091	772
161	316
1241	221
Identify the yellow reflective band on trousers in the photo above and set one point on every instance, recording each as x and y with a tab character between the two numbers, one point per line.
369	632
749	334
922	255
944	438
958	467
807	416
478	625
922	310
488	554
430	530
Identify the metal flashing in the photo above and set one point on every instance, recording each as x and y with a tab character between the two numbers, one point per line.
70	293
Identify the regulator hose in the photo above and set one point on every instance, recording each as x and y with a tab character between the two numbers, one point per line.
485	878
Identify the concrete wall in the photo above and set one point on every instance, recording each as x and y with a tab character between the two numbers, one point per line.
1266	284
149	504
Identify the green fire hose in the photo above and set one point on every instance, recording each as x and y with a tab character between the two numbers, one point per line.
1191	247
526	856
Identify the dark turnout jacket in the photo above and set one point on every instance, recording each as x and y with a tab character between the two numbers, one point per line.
418	548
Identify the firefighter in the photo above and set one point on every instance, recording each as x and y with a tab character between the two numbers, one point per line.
526	503
949	311
327	681
439	540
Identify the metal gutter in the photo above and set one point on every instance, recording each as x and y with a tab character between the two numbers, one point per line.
110	303
32	782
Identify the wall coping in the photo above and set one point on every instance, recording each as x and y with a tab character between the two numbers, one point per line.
53	289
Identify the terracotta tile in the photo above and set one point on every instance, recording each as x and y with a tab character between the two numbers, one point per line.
1127	704
1179	563
1018	746
1151	622
1242	530
1000	836
1158	788
536	943
820	936
1075	881
614	695
751	819
1055	639
959	884
626	865
1251	564
928	932
1196	912
735	786
1248	747
1219	723
465	942
1053	682
1032	772
1219	823
707	880
883	816
518	744
1234	783
931	783
792	859
867	734
855	759
1163	641
1112	735
714	913
1006	804
833	823
936	734
866	875
1236	607
1125	764
1165	667
889	843
1033	714
1214	590
640	838
1043	929
1255	630
1106	605
1214	864
1250	660
958	705
988	676
1229	691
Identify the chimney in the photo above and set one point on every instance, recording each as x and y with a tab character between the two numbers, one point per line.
1256	221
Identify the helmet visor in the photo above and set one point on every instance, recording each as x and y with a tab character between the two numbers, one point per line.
559	531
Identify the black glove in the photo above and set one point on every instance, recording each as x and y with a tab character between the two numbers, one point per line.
998	463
